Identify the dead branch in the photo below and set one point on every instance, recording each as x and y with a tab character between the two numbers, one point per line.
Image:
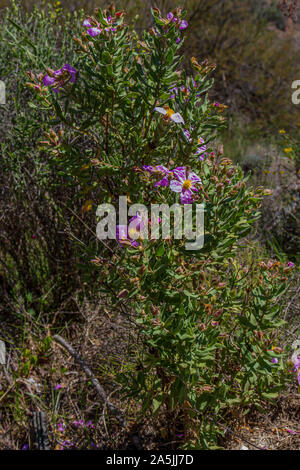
117	413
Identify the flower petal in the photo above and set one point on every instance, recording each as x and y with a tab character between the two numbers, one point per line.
180	173
47	80
161	169
186	197
94	32
194	178
87	24
160	110
176	117
176	186
163	182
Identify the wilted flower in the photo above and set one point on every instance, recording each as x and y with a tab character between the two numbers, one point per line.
185	184
59	78
158	170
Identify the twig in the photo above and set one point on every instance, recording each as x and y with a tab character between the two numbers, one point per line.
95	382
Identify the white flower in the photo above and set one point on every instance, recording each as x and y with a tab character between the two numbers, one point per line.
170	114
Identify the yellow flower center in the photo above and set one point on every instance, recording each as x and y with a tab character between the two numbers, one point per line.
132	232
187	184
170	112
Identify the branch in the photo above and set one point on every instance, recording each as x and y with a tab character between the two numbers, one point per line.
95	382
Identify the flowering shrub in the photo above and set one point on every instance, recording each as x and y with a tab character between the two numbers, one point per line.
130	121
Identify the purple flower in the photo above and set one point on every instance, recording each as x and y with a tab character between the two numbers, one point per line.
127	235
175	90
291	431
158	170
87	24
93	26
183	25
93	32
66	444
58	387
60	77
61	426
291	265
188	135
89	424
274	360
185	184
79	424
200	150
178	40
170	16
25	447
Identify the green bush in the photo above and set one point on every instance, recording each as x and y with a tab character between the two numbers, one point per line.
128	120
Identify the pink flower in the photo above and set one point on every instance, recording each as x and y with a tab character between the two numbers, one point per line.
185	184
